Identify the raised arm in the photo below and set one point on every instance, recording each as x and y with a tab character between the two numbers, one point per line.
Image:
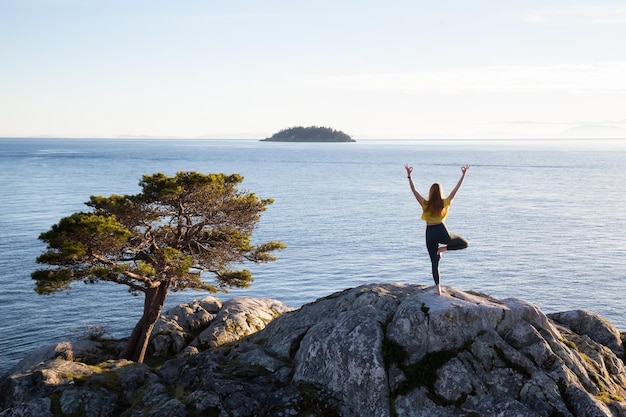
458	184
416	193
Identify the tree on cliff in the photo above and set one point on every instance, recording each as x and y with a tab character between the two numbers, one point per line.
163	239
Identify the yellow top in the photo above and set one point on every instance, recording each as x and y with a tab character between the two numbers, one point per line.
431	218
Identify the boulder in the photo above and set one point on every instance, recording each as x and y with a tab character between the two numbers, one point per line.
598	328
176	327
395	349
237	318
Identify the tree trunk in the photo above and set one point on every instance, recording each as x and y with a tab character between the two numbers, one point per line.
139	338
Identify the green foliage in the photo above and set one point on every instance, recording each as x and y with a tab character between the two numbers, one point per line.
50	281
174	232
145	269
74	236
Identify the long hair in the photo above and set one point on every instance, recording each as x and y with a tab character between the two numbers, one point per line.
434	205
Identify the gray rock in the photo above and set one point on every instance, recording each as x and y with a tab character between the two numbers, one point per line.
89	403
171	407
211	304
38	407
83	350
239	317
375	350
191	316
168	339
345	356
590	324
453	381
174	329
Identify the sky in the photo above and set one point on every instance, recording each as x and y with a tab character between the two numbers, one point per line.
392	69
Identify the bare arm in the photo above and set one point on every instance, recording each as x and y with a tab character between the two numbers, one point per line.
416	193
464	170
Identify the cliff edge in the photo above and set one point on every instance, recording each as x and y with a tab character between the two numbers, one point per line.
376	350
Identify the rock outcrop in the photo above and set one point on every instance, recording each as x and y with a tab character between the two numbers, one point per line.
375	350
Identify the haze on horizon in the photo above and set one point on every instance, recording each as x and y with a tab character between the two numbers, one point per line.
373	69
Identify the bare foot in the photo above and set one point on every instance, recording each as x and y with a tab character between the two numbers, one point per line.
438	289
440	251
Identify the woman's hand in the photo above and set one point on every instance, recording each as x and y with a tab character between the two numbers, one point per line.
416	193
409	169
464	170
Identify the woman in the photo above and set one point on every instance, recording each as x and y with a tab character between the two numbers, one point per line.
435	212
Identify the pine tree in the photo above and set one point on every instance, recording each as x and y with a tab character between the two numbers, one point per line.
167	238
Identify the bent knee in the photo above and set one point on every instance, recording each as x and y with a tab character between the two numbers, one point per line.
458	245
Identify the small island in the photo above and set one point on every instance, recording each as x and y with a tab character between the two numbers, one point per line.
309	134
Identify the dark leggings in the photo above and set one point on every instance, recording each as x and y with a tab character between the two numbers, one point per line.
437	234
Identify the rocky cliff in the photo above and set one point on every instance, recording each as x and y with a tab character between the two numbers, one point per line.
375	350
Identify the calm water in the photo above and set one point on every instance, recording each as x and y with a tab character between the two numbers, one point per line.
546	221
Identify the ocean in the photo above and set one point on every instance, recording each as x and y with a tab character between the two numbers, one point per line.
545	220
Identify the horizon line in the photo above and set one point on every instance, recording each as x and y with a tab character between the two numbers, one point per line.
146	137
